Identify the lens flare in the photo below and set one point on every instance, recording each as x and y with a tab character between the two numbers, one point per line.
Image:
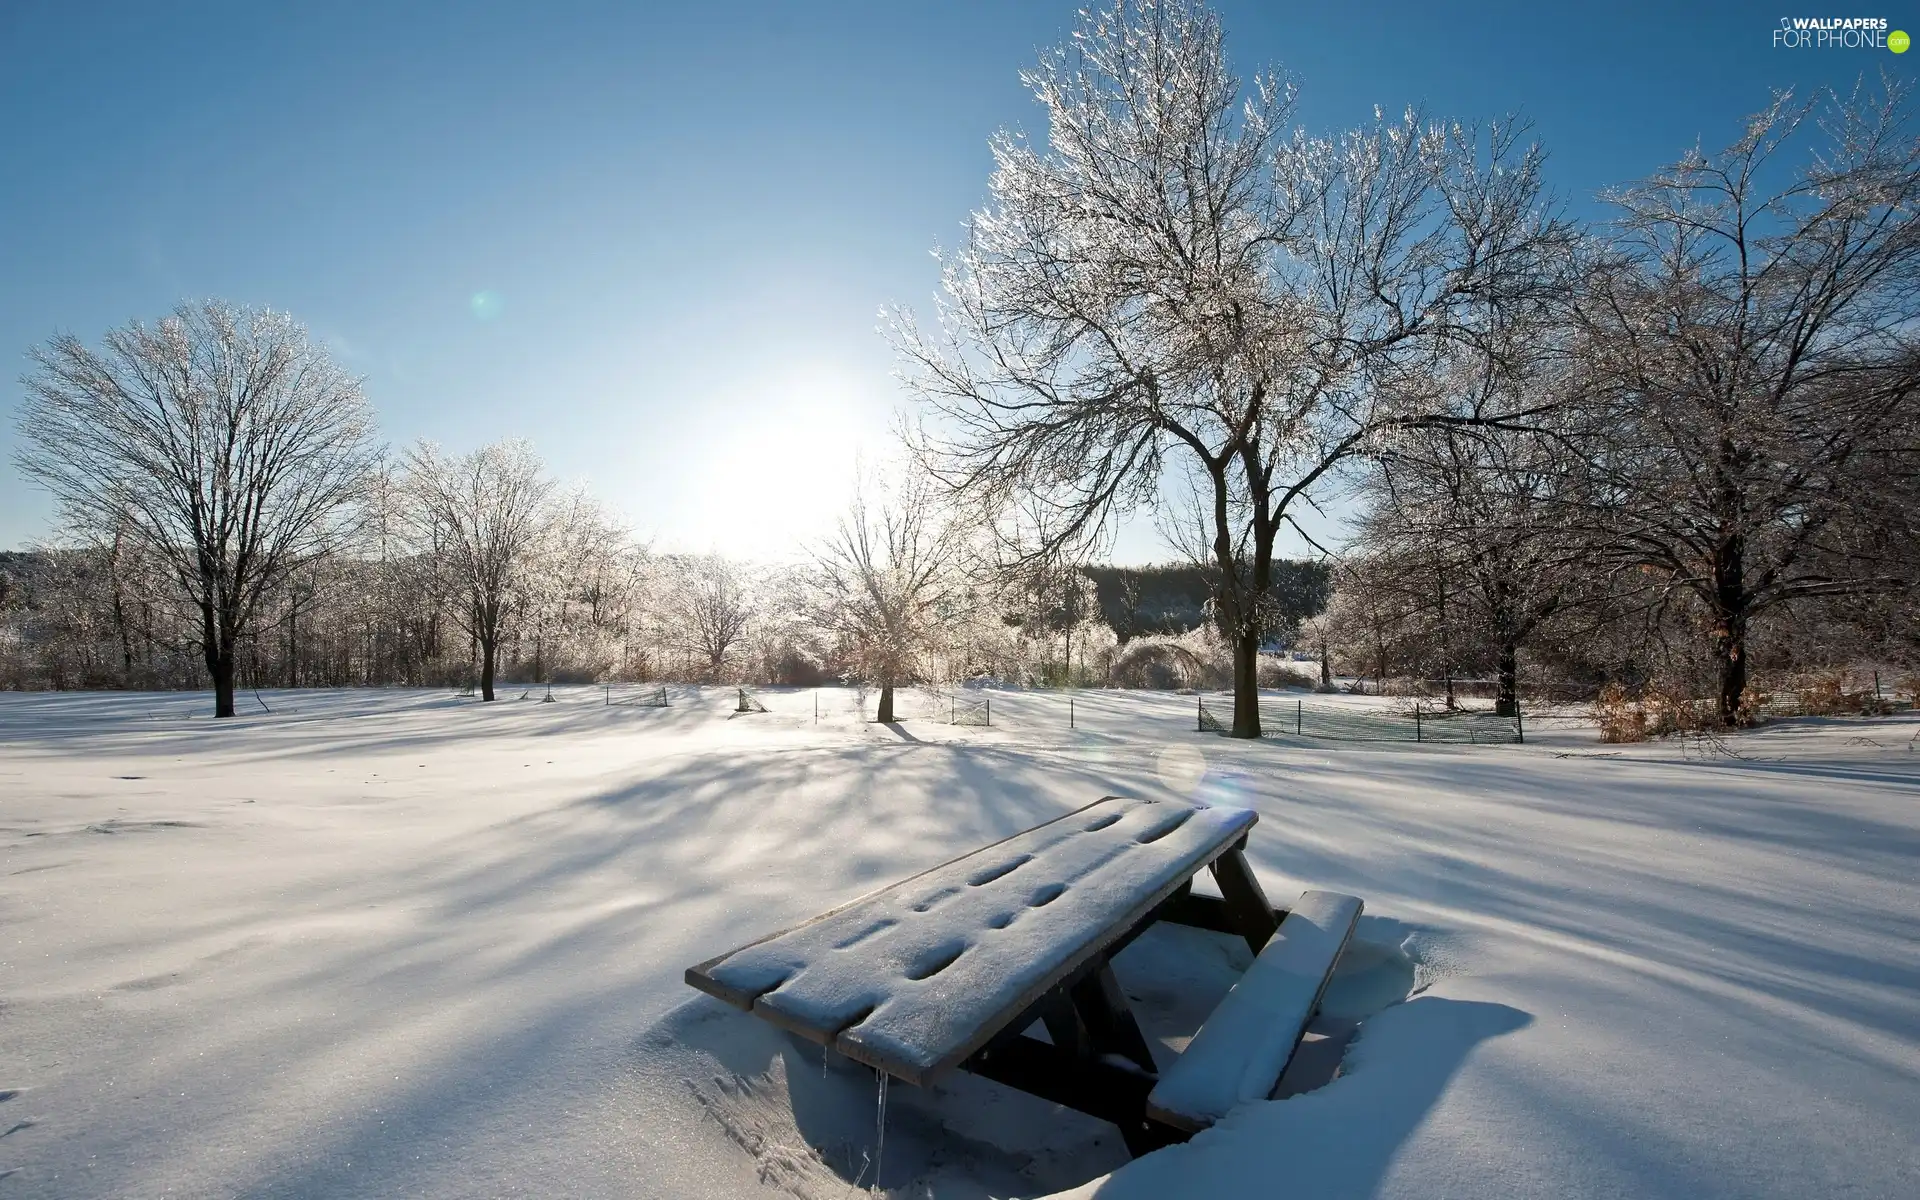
1180	768
1224	789
486	305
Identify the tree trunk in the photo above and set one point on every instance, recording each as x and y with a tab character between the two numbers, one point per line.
1727	638
126	640
1246	685
487	647
220	665
1508	703
1326	668
217	649
885	715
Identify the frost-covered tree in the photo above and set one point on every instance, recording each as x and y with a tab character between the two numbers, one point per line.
481	519
1174	280
1750	350
1056	607
1474	522
1374	624
709	608
581	578
885	584
221	441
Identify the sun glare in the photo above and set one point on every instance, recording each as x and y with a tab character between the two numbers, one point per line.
786	462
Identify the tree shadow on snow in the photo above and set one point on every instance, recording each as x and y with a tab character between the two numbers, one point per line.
1338	1141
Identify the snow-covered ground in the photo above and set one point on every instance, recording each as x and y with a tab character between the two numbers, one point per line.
392	943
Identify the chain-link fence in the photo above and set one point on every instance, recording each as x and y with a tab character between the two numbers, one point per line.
966	710
634	695
1297	718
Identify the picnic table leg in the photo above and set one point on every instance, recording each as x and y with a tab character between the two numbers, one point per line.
1091	1085
1109	1019
1066	1027
1247	905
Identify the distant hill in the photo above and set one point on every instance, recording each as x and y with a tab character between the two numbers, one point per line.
1172	597
20	570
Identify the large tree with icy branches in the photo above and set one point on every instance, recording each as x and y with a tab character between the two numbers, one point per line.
1174	284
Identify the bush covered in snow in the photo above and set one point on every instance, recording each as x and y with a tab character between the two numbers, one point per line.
1195	659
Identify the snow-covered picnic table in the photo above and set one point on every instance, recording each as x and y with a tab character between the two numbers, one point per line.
949	968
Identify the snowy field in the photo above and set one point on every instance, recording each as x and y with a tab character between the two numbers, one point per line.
393	943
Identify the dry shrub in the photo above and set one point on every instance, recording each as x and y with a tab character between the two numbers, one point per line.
1275	674
1655	712
1672	711
1824	693
1621	719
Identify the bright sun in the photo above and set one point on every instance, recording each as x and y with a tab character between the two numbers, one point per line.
784	466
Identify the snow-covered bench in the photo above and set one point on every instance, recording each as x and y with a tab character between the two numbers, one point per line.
949	968
1240	1053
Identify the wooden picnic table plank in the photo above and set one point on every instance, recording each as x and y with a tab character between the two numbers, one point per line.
914	978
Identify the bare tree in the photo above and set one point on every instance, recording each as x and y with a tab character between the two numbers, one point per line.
481	517
220	440
1373	622
1751	349
710	606
1473	522
1174	276
885	584
579	576
1048	598
1315	631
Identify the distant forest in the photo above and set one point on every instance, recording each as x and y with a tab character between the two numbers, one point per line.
1171	598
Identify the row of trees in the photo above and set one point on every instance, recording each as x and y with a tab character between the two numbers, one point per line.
1722	437
240	528
1695	415
228	502
229	518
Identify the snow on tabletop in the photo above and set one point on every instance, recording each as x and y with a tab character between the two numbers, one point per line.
1241	1051
914	977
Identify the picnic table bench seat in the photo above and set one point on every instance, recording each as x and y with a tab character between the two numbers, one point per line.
953	968
910	979
1243	1048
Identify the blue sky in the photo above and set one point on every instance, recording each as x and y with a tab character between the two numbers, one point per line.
654	238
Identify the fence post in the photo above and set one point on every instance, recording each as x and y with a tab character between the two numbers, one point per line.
1199	714
1416	722
1519	724
1069	710
989	712
1299	717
